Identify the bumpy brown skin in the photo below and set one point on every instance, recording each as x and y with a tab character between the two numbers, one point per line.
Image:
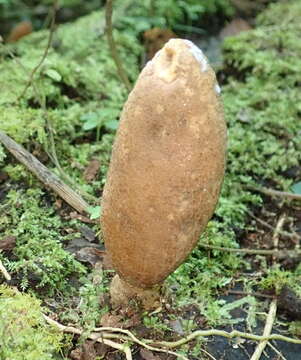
167	166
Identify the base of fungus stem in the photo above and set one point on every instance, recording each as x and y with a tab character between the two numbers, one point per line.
122	293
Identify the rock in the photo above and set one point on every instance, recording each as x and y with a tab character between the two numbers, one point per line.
167	166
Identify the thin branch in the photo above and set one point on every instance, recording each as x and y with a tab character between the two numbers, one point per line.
105	336
95	337
208	354
4	272
132	337
293	235
104	333
229	335
272	192
109	31
202	334
267	330
43	174
277	351
278	229
276	253
49	42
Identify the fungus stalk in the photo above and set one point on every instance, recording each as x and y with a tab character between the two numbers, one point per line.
166	171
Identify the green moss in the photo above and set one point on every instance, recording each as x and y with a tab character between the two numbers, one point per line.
24	333
39	258
263	110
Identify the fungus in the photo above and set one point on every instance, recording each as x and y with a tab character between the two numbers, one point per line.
166	171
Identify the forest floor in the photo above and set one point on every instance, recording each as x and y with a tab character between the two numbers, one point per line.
61	101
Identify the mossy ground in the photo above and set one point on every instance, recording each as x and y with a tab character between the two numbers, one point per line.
78	94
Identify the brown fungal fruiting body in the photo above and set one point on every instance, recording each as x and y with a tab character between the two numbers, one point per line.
167	166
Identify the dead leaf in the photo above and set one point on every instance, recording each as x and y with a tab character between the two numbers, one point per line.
90	255
111	320
87	233
92	170
58	203
76	354
88	351
101	350
148	355
82	218
85	352
8	242
132	321
78	243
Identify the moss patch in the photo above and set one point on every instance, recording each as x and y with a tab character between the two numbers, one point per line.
24	333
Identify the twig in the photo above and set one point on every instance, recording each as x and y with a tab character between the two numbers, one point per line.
229	335
277	231
278	228
294	235
272	192
43	174
49	42
4	272
132	337
109	31
267	330
72	330
208	354
273	305
277	351
105	335
203	333
276	253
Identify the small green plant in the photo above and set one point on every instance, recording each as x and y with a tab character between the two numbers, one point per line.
154	323
91	300
106	118
295	328
94	211
188	325
276	279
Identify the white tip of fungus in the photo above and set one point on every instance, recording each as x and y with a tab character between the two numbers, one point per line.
198	54
217	89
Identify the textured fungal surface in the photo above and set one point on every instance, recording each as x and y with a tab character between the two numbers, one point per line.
167	165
